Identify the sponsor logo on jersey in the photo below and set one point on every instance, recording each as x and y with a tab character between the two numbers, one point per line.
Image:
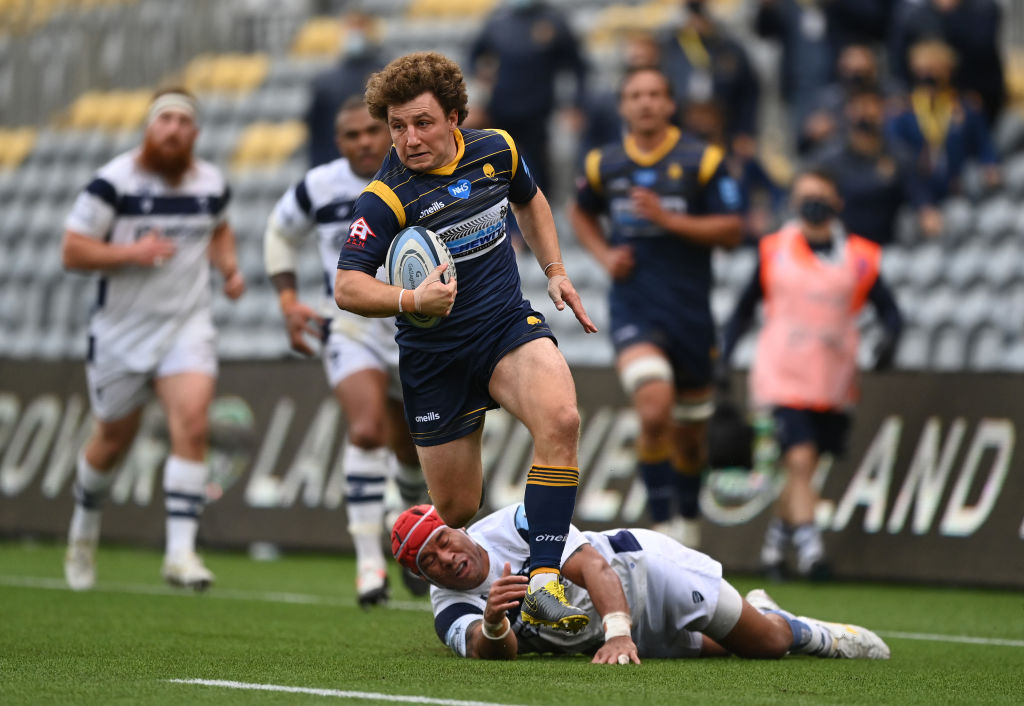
460	189
432	208
489	170
645	177
697	597
147	205
675	171
203	203
549	538
428	417
533	320
358	232
343	211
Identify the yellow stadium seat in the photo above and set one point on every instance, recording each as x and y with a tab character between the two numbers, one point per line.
264	144
15	146
321	36
429	9
226	73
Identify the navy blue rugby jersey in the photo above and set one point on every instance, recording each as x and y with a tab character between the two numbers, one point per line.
465	202
672	274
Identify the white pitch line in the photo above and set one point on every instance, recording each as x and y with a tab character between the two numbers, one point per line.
966	639
221	593
365	695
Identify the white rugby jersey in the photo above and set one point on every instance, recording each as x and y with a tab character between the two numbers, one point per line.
324	200
138	310
671	590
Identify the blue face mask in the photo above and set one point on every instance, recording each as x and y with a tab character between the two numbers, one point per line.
816	211
357	45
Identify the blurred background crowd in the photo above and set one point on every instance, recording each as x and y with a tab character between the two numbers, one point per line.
913	105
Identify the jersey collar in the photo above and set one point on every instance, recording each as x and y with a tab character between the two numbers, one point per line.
460	150
649	159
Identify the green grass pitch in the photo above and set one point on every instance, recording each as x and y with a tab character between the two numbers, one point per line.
294	622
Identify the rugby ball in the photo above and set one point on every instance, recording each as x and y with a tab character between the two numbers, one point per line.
414	253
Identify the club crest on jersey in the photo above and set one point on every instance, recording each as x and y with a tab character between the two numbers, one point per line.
489	170
358	232
460	189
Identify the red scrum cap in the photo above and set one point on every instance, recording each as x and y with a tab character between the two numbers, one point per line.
412	530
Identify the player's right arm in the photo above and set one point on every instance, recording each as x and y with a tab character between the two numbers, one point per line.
88	225
290	220
493	637
374	225
583	217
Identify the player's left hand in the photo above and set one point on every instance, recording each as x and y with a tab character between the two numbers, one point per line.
646	204
562	292
234	285
618	650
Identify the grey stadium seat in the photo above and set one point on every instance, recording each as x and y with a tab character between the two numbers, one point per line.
949	349
987	349
913	351
997	216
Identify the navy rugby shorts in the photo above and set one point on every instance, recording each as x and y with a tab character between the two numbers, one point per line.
446	394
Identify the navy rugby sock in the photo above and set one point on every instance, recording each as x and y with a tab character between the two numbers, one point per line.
659	479
688	493
550	499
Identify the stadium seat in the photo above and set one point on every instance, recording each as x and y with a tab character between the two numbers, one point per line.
15	145
913	351
997	216
966	265
958	216
896	264
949	349
1013	175
226	73
929	262
267	144
987	349
320	37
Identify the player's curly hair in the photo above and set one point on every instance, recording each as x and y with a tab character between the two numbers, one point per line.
413	74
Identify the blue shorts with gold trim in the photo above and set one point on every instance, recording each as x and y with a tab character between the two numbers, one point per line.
446	394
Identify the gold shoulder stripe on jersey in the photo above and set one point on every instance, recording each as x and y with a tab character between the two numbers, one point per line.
388	196
709	162
512	148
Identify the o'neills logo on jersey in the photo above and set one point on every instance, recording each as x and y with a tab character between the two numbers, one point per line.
429	417
432	208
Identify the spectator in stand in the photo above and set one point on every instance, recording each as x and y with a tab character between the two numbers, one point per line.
856	70
875	178
705	63
811	33
940	129
971	28
520	51
602	122
360	56
761	199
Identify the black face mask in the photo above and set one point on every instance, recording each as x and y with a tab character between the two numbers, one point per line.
695	7
867	126
816	211
856	81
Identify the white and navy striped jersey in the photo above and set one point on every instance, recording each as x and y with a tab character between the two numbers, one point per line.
139	309
324	201
672	591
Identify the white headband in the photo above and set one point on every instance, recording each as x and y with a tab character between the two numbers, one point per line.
173	101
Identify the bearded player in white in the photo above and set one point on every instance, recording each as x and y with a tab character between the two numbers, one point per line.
647	596
360	354
151	222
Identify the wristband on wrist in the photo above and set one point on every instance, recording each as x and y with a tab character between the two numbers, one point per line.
557	269
400	295
489	629
617	624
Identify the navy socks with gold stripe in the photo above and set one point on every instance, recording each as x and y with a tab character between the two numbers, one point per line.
549	500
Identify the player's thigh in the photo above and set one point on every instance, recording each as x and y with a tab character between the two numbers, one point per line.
186	398
399	438
454	475
534	384
363	397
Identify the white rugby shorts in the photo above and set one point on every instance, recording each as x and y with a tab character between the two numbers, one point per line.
115	390
368	344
